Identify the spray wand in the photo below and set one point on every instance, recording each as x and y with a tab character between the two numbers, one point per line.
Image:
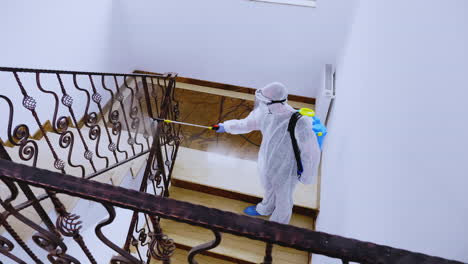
214	127
319	129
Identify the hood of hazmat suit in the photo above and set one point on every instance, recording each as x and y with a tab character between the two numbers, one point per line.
277	165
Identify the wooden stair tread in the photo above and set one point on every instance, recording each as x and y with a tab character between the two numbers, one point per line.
250	251
230	205
180	256
231	174
244	249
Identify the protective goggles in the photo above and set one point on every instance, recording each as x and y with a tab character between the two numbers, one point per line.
262	98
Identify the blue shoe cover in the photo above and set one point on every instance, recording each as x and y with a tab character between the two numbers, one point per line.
251	210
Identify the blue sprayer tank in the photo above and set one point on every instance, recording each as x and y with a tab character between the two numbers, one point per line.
319	129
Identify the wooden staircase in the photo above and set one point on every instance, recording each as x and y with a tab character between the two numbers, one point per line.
205	174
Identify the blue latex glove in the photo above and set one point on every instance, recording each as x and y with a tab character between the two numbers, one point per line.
221	128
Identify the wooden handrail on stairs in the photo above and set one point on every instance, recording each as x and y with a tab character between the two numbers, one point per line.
348	250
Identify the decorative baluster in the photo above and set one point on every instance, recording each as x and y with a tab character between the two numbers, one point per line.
162	86
28	150
154	164
135	244
30	104
134	111
171	135
49	241
5	249
17	238
154	94
20	137
88	154
139	96
149	106
154	159
161	246
134	221
268	259
124	257
204	247
156	179
69	225
121	98
61	126
95	134
112	146
114	116
90	120
97	98
142	234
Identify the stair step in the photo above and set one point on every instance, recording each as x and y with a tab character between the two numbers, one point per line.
231	174
234	247
181	255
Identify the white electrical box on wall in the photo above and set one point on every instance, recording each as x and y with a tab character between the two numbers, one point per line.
326	94
329	78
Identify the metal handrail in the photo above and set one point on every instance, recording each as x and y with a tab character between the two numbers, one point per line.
349	250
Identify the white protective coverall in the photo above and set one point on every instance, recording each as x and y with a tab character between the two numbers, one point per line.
276	161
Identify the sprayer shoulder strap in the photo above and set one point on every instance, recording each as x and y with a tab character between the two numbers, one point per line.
297	153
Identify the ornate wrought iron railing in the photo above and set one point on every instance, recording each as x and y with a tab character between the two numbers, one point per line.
87	123
103	114
161	247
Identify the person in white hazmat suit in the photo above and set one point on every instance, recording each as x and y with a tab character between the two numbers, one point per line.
276	160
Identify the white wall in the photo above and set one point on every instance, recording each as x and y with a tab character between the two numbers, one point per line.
396	159
53	34
58	35
237	41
